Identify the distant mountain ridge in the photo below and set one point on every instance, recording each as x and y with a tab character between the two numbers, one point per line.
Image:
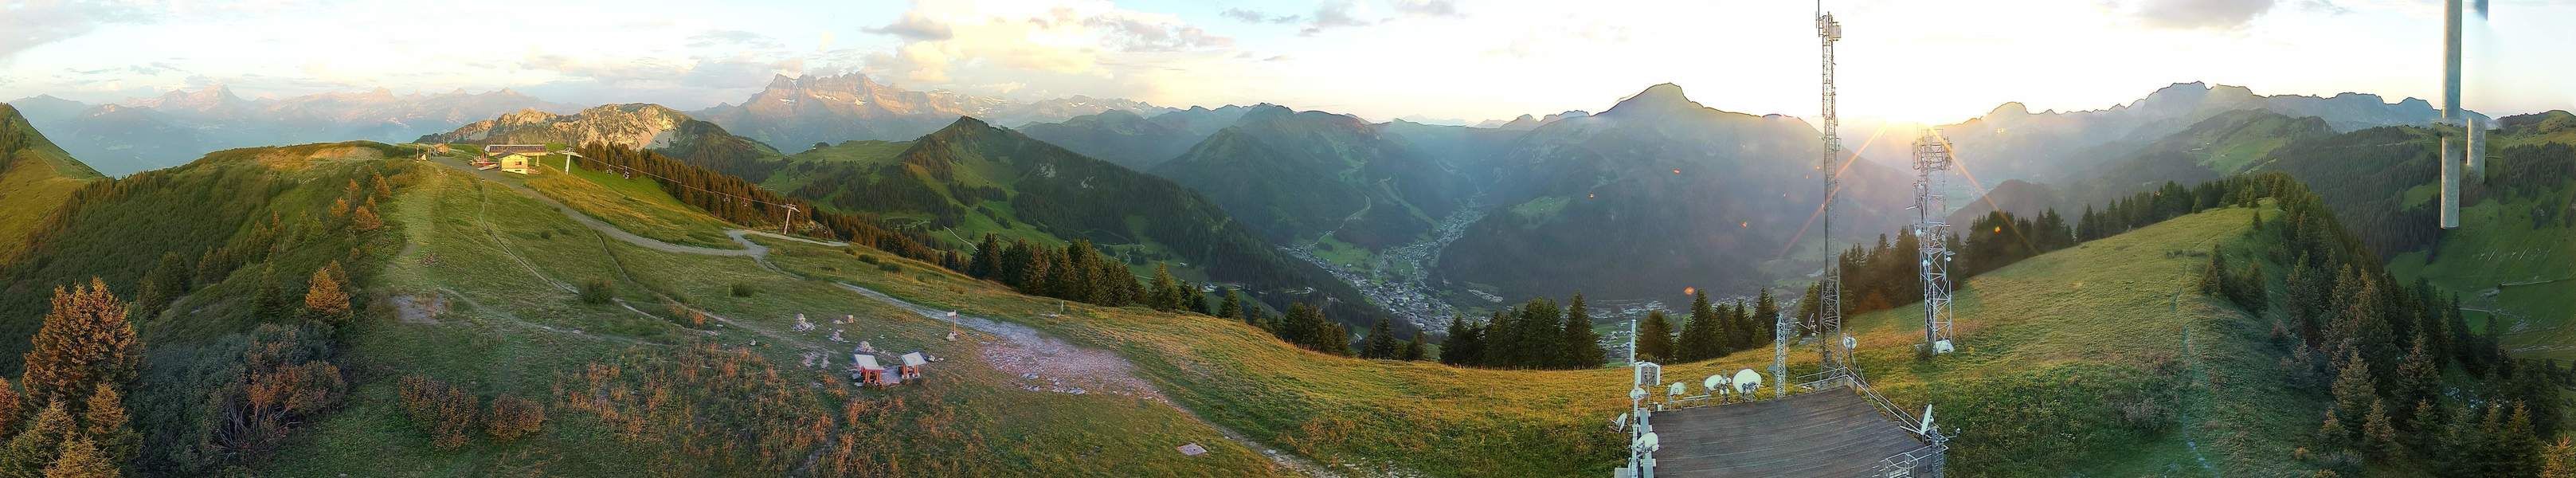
2011	142
792	114
181	125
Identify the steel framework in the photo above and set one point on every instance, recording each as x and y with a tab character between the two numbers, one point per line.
1931	232
1834	355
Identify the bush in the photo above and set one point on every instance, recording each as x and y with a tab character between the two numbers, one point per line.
890	267
744	290
594	291
445	411
868	258
514	417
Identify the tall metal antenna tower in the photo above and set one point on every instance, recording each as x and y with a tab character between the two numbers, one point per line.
1931	233
1829	305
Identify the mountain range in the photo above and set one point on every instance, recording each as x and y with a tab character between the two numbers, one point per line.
164	131
793	114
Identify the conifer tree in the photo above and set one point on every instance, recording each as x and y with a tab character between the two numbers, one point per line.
365	219
1699	339
2559	461
105	424
1231	306
1380	343
167	281
1655	338
1464	345
80	459
38	445
1413	348
1582	345
1766	314
1166	290
2378	437
2353	392
987	262
323	300
84	342
9	410
1741	325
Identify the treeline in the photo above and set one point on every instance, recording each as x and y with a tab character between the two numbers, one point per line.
1537	334
2533	172
1712	332
1079	272
2378	349
738	201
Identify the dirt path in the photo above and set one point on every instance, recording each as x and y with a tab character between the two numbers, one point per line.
1063	367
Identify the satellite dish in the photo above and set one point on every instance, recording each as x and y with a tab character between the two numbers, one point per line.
1620	423
1635	394
1746	381
1927	421
1649	442
1678	389
1714	382
1850	343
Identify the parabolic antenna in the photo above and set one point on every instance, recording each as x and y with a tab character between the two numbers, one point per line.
1620	423
1678	389
1649	442
1746	381
1714	382
1850	343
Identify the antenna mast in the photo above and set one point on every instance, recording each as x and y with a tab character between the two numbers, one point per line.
1835	358
1931	234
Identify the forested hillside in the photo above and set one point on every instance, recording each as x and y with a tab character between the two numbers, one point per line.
35	178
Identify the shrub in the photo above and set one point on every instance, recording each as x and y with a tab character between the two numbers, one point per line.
890	267
744	290
868	258
445	411
514	417
594	291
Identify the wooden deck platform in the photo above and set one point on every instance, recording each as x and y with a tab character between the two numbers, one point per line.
1829	433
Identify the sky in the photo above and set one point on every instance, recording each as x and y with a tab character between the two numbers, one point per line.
1451	60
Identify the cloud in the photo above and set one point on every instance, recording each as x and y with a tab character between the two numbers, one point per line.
732	38
28	25
1250	16
2199	14
1428	8
914	27
1136	33
1333	15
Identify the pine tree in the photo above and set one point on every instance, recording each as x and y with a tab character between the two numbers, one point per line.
29	452
365	219
1582	345
84	342
1766	315
2419	378
988	258
2379	438
9	411
1380	343
2559	461
1166	290
2353	391
1699	340
1655	338
1464	345
105	424
323	300
167	281
1413	348
80	459
1742	326
1231	306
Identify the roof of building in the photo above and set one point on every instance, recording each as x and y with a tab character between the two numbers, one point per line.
865	362
502	149
1822	433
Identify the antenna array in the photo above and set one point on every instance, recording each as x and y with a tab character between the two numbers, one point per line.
1931	233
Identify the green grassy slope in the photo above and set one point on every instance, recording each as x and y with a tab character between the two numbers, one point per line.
492	257
2052	348
35	178
2509	257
